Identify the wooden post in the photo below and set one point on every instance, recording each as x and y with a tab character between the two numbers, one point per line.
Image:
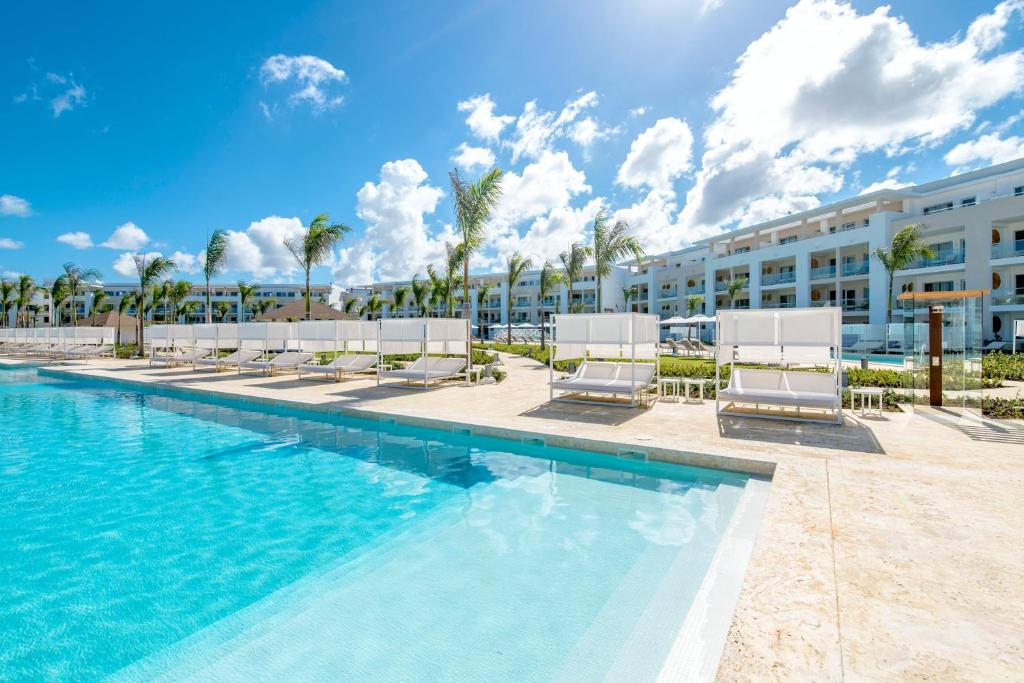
935	355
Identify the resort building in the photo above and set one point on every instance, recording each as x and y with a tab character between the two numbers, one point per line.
974	222
277	294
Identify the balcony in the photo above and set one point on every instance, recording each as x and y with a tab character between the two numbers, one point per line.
1009	250
699	289
855	304
784	278
791	303
948	258
668	293
1008	297
861	268
722	286
823	273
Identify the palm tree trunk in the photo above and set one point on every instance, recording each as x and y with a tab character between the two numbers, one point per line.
307	295
542	324
209	313
598	307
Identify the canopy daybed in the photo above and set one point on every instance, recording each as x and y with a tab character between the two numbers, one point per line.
425	336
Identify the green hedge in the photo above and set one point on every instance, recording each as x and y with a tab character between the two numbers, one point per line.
1003	366
1003	408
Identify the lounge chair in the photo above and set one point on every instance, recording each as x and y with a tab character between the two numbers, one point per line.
229	361
615	379
1000	346
89	351
289	360
703	349
689	347
784	388
671	343
429	369
340	366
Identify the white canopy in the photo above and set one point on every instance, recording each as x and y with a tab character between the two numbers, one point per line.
675	320
794	335
426	335
605	335
337	335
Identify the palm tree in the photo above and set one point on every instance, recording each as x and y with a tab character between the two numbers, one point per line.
627	294
187	309
221	309
573	261
439	288
905	248
76	276
122	308
26	288
350	305
6	300
373	306
59	293
734	288
549	279
454	256
180	291
420	293
214	259
150	270
401	294
693	302
474	204
159	297
245	293
98	297
516	266
314	247
611	243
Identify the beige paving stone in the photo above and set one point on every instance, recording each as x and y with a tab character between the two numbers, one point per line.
889	548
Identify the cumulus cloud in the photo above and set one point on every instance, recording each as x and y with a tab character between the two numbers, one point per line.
11	205
548	183
787	127
8	243
587	131
536	129
313	79
127	236
260	250
124	264
991	148
548	235
469	158
186	263
710	5
658	156
78	240
482	120
397	243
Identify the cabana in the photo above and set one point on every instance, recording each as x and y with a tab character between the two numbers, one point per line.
624	337
267	338
782	339
425	336
352	342
176	343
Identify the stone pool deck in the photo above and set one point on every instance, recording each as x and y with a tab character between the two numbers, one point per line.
890	548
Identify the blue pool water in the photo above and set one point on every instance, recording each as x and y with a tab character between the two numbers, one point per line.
147	536
874	358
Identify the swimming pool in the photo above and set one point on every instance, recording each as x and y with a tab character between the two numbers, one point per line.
150	536
874	358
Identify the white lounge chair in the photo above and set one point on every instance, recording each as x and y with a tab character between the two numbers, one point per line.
340	366
229	361
784	388
614	379
89	351
994	345
289	360
427	370
180	357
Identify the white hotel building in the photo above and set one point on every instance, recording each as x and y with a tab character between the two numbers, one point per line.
974	222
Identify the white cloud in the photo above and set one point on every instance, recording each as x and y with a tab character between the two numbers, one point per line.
67	100
127	236
78	240
549	234
990	148
787	126
397	243
548	183
658	156
710	6
651	220
637	112
482	120
887	184
536	129
587	131
14	206
124	264
469	158
260	250
313	77
8	243
186	263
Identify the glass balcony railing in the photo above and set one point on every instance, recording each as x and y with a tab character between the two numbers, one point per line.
783	278
855	268
699	289
823	273
667	293
855	304
721	286
947	258
1008	297
1009	250
789	303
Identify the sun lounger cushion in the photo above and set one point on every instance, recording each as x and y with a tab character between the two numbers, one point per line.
435	368
608	378
783	388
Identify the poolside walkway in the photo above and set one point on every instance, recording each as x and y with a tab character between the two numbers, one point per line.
889	550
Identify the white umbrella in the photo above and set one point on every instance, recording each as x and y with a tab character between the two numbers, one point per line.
674	320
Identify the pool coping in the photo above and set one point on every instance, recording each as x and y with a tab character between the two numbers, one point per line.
740	465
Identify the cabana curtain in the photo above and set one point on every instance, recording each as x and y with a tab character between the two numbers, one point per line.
605	335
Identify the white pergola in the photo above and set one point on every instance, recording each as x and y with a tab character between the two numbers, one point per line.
424	336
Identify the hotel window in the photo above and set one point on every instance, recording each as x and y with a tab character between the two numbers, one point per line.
789	240
831	229
849	226
935	208
946	286
968	201
741	250
867	222
1018	191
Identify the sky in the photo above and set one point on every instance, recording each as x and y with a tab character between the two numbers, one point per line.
142	127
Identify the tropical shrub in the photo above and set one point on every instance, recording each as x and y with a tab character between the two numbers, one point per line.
1003	408
1003	366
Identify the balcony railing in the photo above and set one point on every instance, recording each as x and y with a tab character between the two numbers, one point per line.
855	304
778	304
949	258
823	273
699	289
861	268
783	278
1008	297
721	286
1009	250
667	293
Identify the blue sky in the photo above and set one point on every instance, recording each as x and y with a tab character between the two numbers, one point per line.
143	127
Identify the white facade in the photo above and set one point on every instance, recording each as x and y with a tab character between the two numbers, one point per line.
974	222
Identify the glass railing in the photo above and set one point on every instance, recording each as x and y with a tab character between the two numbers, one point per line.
857	268
699	289
948	258
667	293
823	273
855	304
778	304
1009	250
1008	297
778	278
721	286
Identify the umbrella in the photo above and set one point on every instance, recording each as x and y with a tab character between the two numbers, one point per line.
674	320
